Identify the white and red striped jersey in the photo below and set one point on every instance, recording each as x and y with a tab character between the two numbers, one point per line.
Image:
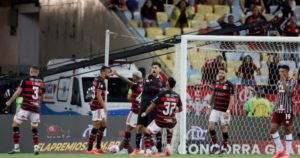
285	102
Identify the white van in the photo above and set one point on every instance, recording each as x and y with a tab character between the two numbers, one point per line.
69	93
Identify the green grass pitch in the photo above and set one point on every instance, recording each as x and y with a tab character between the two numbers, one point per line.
45	155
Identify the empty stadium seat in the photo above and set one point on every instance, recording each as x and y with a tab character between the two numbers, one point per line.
127	14
152	32
232	67
134	23
196	64
169	63
199	16
160	52
204	9
169	9
290	63
221	9
233	56
161	37
199	24
234	79
264	71
213	24
236	12
268	16
194	79
273	8
193	55
190	31
137	16
164	25
211	17
263	64
141	31
261	80
260	7
265	56
211	55
175	1
162	17
243	18
171	31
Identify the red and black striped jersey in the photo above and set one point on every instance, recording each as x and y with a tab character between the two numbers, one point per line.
98	87
222	92
33	89
166	103
136	92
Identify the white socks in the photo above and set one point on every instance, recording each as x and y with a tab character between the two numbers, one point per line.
288	143
276	138
168	146
16	146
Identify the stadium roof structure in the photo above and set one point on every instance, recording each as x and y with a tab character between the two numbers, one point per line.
133	51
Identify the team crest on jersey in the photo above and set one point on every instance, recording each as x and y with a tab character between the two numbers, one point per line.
224	87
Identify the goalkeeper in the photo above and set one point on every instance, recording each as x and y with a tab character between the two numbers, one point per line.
258	106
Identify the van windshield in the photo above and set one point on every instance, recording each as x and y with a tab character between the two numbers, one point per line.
117	89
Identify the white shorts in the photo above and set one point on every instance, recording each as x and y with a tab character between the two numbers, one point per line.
98	115
132	119
218	116
23	115
153	127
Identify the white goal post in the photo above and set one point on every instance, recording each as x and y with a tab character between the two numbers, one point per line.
194	49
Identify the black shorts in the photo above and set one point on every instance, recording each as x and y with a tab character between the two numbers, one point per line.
145	121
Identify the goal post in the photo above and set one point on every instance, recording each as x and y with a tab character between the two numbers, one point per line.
193	58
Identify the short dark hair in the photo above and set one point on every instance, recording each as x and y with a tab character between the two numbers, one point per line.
103	68
35	67
156	63
172	82
286	67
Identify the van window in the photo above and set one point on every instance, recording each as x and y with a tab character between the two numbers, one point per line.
117	89
63	89
75	100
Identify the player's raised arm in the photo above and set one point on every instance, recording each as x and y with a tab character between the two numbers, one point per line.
123	78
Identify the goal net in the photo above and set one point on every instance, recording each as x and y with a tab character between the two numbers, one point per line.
252	66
